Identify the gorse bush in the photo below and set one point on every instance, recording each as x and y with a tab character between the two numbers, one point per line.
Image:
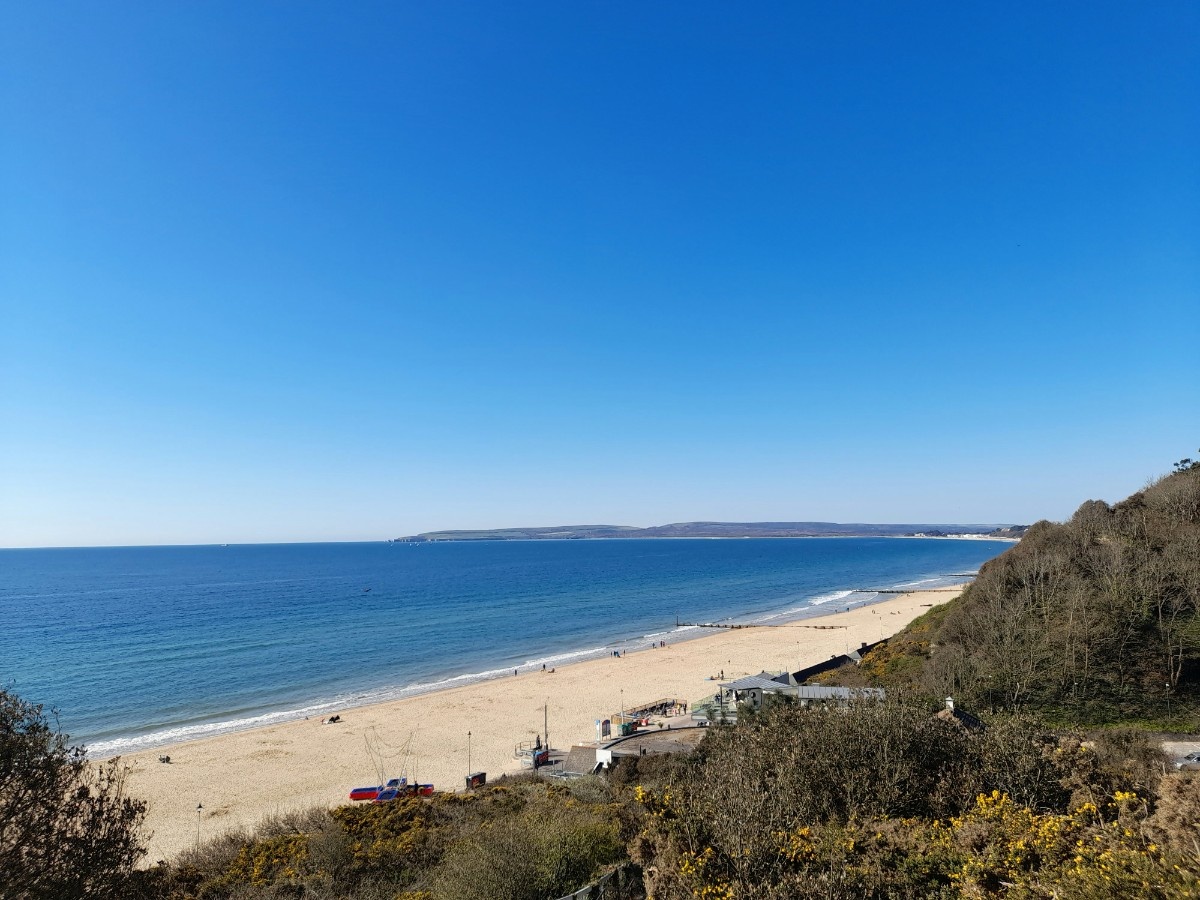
547	849
519	840
1175	823
885	800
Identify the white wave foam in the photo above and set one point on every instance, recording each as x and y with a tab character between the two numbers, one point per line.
828	598
916	585
803	610
181	733
564	658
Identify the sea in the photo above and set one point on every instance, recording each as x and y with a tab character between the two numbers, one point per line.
138	647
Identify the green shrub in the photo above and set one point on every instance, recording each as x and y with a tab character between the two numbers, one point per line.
550	848
67	829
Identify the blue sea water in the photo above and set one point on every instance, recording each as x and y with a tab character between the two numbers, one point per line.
142	646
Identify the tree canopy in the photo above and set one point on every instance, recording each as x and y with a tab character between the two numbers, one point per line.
1093	620
67	829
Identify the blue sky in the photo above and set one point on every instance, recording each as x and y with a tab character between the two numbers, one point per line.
313	271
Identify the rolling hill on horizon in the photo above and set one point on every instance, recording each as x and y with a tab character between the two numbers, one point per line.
716	530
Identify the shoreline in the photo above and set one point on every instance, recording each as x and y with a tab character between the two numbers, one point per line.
813	607
241	777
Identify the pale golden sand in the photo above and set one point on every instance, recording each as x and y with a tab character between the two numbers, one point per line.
241	778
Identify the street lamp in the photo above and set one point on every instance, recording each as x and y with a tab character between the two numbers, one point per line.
468	754
199	809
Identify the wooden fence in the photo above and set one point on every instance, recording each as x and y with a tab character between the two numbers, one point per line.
622	883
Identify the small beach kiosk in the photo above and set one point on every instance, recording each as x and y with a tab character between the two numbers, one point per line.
750	690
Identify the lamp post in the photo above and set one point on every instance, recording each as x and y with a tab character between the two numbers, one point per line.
468	754
199	809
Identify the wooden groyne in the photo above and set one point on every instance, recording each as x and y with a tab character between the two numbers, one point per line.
679	624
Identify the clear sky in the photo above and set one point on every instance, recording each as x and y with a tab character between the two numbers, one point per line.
325	271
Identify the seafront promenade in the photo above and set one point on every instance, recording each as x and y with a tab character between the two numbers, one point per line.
235	780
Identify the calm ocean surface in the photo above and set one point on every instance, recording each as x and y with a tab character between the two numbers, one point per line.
141	646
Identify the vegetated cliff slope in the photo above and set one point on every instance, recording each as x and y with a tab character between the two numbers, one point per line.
1095	619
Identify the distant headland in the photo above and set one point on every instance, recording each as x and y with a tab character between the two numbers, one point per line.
719	530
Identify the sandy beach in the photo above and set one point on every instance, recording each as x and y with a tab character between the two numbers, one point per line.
243	777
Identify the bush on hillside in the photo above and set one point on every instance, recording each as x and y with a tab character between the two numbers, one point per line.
888	801
518	839
549	848
1095	620
67	830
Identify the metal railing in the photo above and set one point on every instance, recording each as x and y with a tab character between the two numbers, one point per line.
618	884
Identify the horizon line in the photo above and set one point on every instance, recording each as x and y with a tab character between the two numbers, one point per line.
268	543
